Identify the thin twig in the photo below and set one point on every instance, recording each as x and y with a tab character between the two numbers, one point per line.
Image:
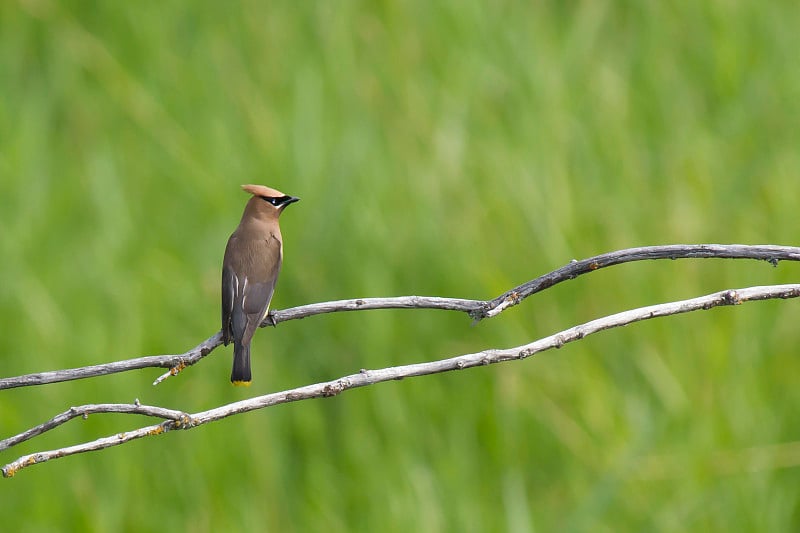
370	377
477	309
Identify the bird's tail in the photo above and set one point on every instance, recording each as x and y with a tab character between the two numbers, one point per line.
240	375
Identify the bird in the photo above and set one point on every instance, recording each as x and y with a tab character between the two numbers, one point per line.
250	269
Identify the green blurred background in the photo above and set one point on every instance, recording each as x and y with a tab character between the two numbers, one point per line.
453	148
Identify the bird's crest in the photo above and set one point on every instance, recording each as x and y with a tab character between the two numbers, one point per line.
261	190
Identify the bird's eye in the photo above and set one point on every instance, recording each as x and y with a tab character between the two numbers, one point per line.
273	201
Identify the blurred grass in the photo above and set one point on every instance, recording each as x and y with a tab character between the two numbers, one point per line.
453	148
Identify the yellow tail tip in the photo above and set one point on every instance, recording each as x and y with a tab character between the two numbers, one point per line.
241	383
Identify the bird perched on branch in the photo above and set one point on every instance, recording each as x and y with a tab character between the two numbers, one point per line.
250	270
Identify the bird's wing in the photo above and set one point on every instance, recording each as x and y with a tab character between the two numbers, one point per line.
254	285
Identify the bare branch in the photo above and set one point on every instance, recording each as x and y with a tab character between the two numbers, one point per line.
471	307
174	362
480	309
477	309
85	410
764	252
179	420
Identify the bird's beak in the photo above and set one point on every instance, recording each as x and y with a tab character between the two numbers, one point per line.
291	200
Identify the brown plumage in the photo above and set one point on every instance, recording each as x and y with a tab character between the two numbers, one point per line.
250	270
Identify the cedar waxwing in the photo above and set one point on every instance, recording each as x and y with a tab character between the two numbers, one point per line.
249	272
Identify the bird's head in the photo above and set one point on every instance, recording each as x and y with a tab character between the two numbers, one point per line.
268	201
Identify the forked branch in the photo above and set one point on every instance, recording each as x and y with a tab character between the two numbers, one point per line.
477	309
